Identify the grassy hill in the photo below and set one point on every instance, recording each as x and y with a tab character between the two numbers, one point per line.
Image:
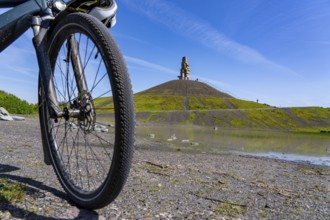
196	103
15	105
188	95
314	119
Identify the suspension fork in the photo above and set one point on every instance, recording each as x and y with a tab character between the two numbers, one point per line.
40	43
86	106
78	68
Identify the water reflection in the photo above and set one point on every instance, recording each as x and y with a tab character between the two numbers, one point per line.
314	148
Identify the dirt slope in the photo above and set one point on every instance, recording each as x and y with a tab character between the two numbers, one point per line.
185	88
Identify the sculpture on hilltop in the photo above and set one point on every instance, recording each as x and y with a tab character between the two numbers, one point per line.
185	69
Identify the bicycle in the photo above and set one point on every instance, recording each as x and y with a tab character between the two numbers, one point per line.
85	99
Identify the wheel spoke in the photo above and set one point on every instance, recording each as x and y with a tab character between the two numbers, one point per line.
99	82
84	154
99	96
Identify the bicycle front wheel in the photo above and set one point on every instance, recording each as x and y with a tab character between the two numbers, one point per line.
91	150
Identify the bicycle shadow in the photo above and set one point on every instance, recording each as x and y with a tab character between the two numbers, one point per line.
35	189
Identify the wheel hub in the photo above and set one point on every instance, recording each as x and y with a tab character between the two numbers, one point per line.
82	108
87	116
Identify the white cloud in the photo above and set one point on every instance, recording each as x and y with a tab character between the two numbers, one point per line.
214	82
150	65
186	24
19	61
18	80
159	68
127	37
19	70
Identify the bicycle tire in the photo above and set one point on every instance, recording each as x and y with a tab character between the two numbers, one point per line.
119	138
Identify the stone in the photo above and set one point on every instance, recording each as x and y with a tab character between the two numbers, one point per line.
194	144
73	125
185	69
97	129
101	128
104	129
4	115
173	137
18	118
6	118
3	111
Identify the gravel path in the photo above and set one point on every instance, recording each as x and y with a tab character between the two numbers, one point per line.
168	185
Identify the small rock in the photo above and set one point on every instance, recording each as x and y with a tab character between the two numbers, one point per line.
101	217
4	115
73	125
6	118
97	129
18	118
162	214
3	111
6	215
104	129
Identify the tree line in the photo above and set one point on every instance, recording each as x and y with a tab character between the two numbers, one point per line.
15	105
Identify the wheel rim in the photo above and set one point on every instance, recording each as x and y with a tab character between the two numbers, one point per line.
83	146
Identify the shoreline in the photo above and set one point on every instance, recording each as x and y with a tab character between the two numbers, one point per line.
169	184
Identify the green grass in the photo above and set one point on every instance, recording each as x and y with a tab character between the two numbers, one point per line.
243	104
275	118
11	192
311	113
206	103
307	121
233	113
15	105
231	210
100	101
145	103
150	103
104	104
237	123
2	93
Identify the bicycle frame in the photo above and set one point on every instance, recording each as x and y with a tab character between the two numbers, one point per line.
38	14
27	13
17	20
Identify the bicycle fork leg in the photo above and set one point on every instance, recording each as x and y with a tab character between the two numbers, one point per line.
87	116
40	44
78	69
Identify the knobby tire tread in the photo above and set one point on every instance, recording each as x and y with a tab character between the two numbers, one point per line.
124	114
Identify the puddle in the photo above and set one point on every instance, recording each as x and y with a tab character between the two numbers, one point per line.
322	160
312	148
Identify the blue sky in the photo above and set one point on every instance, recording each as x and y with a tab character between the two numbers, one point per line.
275	51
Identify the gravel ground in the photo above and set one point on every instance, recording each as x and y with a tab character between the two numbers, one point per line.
168	185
